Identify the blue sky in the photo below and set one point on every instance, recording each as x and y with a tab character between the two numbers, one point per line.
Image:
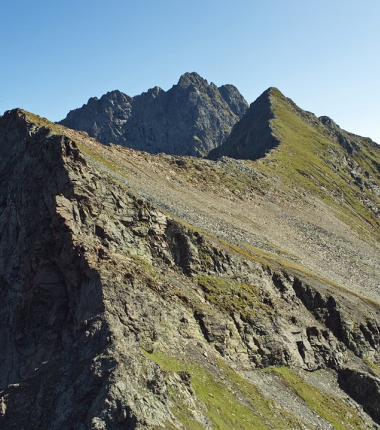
325	55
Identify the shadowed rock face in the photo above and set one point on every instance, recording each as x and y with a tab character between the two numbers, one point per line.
117	313
252	137
191	118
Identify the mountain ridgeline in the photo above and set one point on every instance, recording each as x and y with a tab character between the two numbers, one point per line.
198	119
192	118
272	119
158	291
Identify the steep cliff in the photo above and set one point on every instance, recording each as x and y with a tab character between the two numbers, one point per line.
191	118
132	295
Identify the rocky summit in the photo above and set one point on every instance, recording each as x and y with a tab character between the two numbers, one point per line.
192	118
142	291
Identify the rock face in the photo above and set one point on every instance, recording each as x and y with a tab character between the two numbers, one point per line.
252	137
191	118
118	312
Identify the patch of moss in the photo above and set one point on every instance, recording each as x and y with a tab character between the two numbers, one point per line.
373	366
144	266
42	122
274	414
231	295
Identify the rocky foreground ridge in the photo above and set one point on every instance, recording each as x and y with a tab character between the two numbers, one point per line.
192	118
142	291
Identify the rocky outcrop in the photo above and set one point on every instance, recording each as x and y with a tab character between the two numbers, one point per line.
116	314
350	142
364	388
191	118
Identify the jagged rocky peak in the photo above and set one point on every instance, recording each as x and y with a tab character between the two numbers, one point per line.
195	89
111	97
228	92
192	79
191	118
328	122
234	99
154	91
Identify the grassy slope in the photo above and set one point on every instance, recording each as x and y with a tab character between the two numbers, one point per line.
305	162
231	401
332	409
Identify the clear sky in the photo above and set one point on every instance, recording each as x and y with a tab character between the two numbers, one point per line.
324	55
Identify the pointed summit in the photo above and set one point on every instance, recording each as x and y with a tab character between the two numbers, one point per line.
252	137
191	78
274	120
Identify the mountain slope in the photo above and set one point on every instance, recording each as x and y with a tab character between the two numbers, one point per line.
142	291
310	155
191	118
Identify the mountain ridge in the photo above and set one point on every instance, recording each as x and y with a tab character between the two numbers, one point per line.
189	119
162	291
309	153
240	144
133	297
